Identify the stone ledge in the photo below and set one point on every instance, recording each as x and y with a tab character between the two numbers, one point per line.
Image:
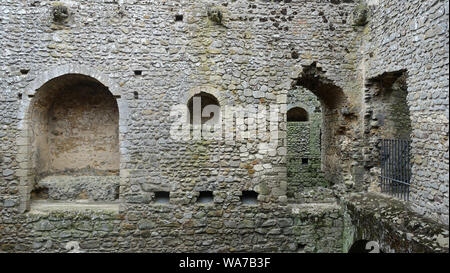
313	208
45	207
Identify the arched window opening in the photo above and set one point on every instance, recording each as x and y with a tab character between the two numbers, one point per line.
209	108
297	114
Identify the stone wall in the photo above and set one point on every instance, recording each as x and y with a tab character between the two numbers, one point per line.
391	225
169	228
413	37
387	100
150	61
152	55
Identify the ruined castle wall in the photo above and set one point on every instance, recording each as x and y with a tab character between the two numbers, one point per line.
169	228
413	36
157	62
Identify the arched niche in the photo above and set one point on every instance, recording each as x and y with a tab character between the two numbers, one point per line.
74	128
72	123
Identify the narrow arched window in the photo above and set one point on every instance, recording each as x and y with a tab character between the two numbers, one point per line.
203	107
297	114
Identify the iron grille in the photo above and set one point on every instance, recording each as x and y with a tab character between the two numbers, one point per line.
395	167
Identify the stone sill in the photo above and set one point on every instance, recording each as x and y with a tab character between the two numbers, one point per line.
313	208
44	207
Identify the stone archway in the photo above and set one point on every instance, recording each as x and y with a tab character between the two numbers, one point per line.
205	100
336	120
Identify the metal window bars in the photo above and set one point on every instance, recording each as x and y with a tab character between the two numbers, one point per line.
395	177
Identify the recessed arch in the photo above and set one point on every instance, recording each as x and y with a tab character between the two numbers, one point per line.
61	70
74	127
48	91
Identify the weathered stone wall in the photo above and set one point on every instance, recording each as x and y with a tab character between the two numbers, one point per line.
255	56
413	37
168	228
389	112
387	120
150	62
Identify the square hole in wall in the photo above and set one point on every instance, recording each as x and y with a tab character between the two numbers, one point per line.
178	18
39	193
249	197
305	161
138	72
205	197
162	197
301	248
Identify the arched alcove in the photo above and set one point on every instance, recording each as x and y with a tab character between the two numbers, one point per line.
73	123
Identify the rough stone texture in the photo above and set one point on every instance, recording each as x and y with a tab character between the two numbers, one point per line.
388	106
325	234
93	188
387	118
261	52
168	228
